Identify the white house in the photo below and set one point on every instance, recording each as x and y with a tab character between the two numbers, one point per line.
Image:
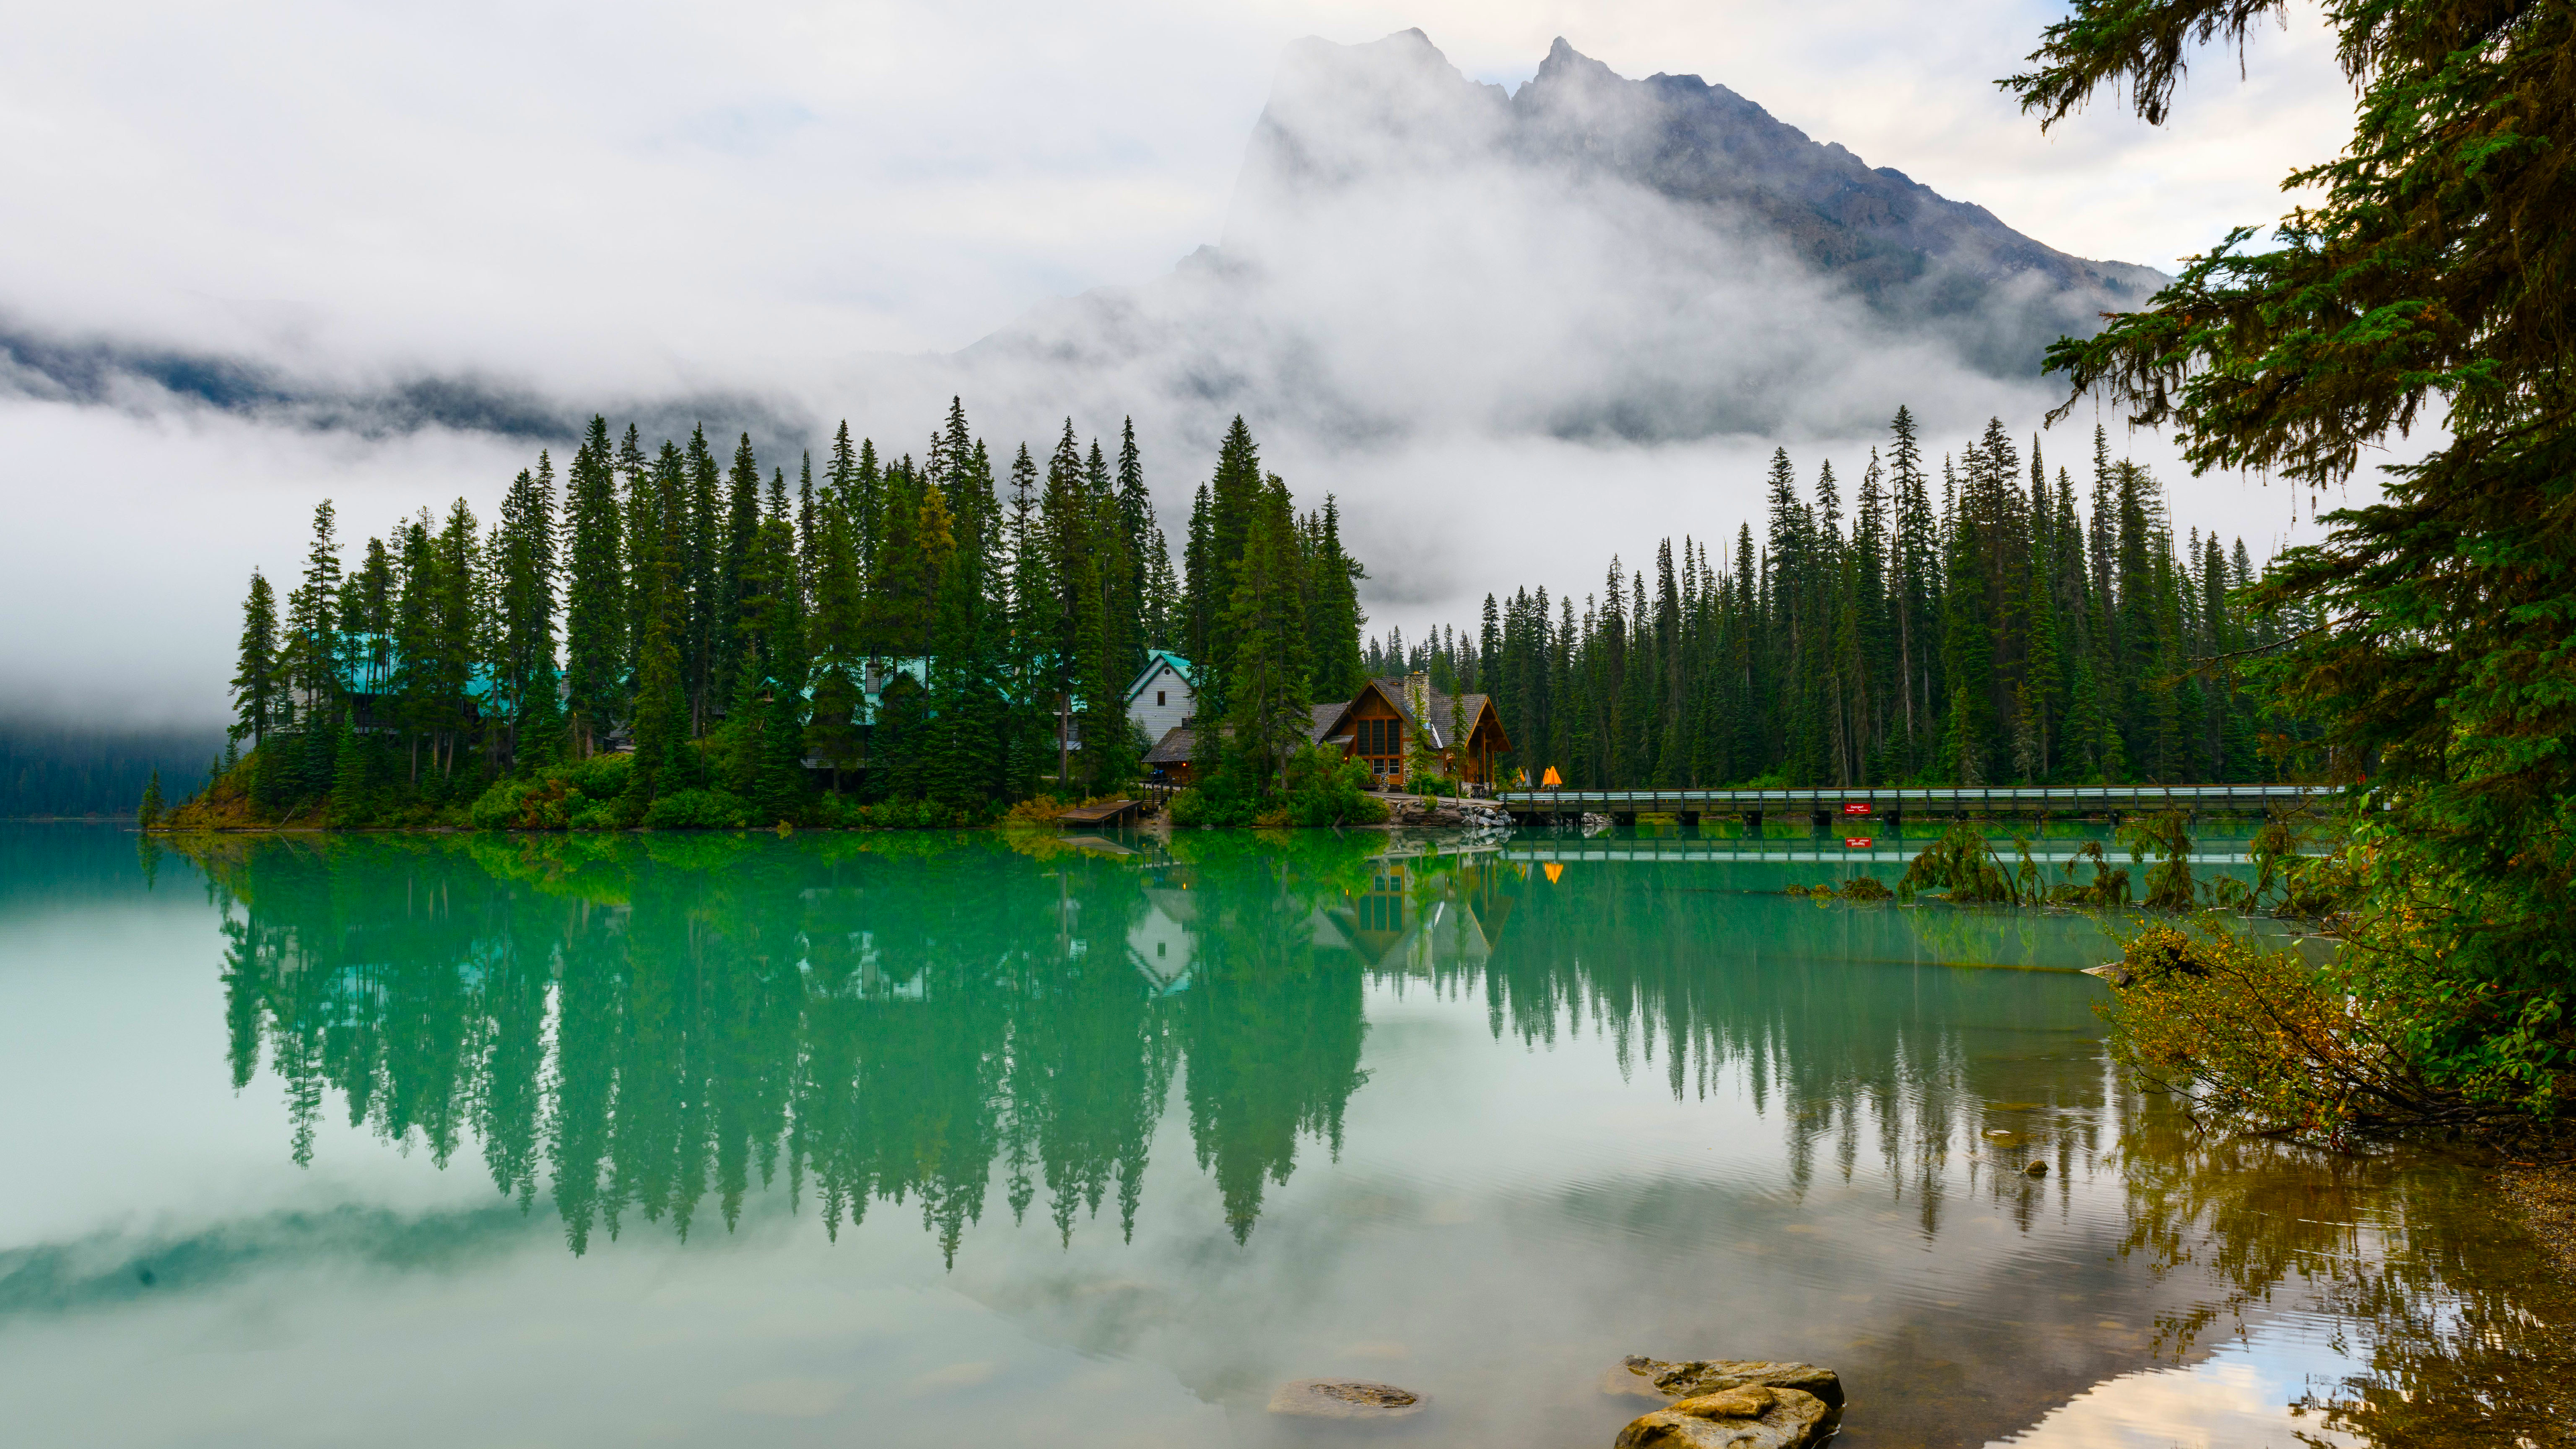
1162	697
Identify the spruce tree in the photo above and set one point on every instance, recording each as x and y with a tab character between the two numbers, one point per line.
523	671
1231	495
1268	712
257	689
595	614
702	583
310	641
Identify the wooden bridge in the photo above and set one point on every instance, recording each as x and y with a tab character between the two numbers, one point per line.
1882	849
1624	806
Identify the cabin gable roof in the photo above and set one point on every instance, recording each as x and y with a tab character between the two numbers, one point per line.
1474	711
1156	661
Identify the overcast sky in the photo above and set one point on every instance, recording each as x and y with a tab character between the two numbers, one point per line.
652	201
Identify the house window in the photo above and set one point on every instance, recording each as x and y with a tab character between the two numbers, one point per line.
1158	699
1380	737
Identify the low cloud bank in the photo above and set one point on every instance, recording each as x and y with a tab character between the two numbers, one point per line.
1514	333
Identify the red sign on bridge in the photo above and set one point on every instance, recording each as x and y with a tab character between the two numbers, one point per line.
1857	842
1856	807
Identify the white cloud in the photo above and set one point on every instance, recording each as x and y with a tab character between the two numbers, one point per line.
665	201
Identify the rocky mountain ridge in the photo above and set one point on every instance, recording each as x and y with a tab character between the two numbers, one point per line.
1676	257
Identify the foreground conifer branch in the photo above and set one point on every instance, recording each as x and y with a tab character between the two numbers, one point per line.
2438	623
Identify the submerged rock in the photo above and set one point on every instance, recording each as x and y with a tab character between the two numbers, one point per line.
1344	1399
1692	1378
1753	1417
2036	1169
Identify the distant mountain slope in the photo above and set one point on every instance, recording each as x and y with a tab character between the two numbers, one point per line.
1589	255
1876	228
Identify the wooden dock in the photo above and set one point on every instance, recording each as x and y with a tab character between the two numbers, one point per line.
1106	813
1537	806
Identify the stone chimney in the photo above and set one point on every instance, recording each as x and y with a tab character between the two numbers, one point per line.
1417	697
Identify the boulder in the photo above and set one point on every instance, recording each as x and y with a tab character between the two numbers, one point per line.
2036	1169
1344	1399
1694	1377
1754	1417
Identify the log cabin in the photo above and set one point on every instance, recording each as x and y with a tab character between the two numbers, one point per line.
1377	725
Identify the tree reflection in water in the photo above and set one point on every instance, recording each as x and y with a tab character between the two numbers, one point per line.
650	1023
647	1026
2457	1323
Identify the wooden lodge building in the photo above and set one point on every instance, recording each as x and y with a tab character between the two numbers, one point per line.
1374	725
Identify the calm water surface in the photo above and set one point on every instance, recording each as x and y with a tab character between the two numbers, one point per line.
907	1139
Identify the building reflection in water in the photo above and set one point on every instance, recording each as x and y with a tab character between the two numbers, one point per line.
654	1029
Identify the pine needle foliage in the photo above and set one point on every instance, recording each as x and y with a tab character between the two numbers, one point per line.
2429	284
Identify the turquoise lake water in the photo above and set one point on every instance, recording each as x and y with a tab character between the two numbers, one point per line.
905	1139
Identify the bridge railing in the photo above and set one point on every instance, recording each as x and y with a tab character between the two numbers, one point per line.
1830	801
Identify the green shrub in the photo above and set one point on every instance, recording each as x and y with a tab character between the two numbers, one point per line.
1218	804
2165	834
2256	1039
539	803
1326	789
597	815
1964	867
902	815
601	777
699	810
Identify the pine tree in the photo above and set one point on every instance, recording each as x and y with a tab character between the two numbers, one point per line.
701	588
662	763
1138	541
1034	602
1335	614
1268	713
736	539
310	641
595	620
1231	495
524	677
257	690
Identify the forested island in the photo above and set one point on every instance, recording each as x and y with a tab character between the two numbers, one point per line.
658	639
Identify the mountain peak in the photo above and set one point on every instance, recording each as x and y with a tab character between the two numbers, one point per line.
1588	255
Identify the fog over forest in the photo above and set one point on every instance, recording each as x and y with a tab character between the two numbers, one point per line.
1516	328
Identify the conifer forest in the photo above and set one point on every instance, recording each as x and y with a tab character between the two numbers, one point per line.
656	635
2014	629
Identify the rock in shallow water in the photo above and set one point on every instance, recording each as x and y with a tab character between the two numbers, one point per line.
1754	1417
1691	1378
1344	1399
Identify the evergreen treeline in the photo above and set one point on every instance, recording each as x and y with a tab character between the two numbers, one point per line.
725	626
2007	630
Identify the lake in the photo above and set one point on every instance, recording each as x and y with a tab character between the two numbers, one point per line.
923	1138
